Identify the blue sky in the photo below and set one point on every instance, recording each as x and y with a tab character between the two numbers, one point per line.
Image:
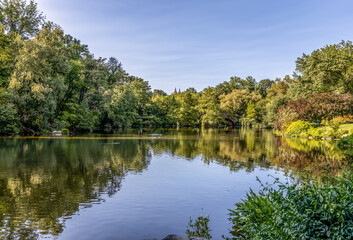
200	43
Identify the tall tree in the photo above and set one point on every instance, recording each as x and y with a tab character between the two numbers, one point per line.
235	103
209	107
328	69
20	17
38	77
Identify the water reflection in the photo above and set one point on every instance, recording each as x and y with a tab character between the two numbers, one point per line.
42	181
45	181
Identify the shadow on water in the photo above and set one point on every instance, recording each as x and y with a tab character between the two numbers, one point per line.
43	182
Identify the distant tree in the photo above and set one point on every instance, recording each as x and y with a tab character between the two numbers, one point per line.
37	81
20	17
209	107
251	110
228	87
249	84
279	87
123	108
191	90
5	59
328	69
158	92
115	70
9	119
321	106
187	112
236	102
263	86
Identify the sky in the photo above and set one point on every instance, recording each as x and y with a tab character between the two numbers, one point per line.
200	43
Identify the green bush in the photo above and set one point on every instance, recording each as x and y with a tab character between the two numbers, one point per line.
335	131
298	128
65	131
345	142
315	133
310	211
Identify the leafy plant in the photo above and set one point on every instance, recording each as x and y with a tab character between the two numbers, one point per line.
199	227
298	128
307	211
345	142
335	131
315	133
344	119
65	131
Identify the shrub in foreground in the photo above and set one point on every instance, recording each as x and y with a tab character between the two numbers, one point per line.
310	211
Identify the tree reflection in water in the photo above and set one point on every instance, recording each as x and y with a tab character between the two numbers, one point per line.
43	182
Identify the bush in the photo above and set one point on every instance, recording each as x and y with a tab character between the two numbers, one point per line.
315	133
65	131
335	131
298	128
345	142
284	118
343	120
310	211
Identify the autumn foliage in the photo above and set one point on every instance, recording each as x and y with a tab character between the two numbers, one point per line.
316	108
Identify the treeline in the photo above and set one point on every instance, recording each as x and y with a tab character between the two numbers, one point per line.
50	81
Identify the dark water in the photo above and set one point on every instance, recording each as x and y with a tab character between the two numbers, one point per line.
142	185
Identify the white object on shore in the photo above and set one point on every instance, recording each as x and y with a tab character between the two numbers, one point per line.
57	133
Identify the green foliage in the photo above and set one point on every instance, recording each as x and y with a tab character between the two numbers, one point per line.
65	131
20	17
122	110
297	128
209	107
343	119
250	110
315	133
199	227
345	142
55	82
334	130
284	118
235	103
309	211
187	111
5	59
9	120
272	106
328	69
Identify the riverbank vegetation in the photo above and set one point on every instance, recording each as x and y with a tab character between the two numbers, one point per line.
49	81
285	211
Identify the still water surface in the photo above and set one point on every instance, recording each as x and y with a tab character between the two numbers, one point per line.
144	184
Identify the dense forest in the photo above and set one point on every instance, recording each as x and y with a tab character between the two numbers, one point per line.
50	81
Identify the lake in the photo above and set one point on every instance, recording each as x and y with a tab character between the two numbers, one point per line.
145	184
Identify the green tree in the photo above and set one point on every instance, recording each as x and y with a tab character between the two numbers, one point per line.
263	86
236	102
187	112
9	120
20	17
5	59
328	69
122	110
38	78
209	107
251	110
